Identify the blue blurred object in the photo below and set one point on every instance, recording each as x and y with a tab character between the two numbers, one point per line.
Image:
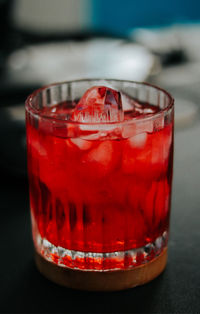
117	16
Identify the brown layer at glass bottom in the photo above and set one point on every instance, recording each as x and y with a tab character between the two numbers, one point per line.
102	281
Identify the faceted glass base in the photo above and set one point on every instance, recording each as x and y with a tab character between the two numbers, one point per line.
88	261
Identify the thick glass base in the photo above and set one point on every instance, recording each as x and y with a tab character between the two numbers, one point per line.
102	280
89	261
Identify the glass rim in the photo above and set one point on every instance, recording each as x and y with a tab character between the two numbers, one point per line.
134	120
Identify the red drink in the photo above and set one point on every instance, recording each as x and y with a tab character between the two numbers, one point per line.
97	189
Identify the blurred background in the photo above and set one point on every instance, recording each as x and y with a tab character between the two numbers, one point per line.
44	41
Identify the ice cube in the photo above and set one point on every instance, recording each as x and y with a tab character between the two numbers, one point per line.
150	159
102	154
100	160
128	103
37	145
130	128
99	104
138	140
79	143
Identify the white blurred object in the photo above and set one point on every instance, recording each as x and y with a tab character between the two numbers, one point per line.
176	37
109	58
157	39
186	112
178	76
50	16
188	36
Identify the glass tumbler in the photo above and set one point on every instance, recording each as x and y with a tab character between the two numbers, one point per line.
100	192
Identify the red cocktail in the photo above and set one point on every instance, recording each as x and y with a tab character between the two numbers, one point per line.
100	173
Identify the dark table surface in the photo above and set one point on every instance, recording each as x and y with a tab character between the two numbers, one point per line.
177	290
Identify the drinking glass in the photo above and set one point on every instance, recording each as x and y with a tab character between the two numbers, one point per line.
100	192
